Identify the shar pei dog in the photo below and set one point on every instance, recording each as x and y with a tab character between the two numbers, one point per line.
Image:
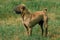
31	19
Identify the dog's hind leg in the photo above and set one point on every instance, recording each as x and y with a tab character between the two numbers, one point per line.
41	25
46	28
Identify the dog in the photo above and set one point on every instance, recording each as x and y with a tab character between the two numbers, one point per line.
31	19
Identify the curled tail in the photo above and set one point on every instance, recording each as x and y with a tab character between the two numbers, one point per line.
45	10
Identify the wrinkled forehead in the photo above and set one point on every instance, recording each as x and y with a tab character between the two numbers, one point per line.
21	5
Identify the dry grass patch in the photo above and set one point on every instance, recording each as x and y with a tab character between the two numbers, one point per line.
52	16
11	21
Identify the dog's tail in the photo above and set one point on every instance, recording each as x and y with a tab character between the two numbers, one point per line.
45	10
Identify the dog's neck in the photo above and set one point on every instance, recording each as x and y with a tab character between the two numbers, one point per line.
25	13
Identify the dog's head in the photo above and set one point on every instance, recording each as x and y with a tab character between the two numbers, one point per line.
19	9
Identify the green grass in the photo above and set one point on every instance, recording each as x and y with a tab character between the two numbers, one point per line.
11	27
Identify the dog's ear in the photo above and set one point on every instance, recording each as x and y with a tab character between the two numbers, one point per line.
23	8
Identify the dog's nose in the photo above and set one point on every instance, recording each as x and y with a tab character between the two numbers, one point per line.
18	12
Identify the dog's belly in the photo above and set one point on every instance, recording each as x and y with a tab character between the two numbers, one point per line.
35	21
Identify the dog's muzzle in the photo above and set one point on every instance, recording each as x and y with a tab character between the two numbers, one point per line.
18	12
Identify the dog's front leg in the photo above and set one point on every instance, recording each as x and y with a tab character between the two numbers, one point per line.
27	29
30	31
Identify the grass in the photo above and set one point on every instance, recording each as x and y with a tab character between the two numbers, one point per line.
11	27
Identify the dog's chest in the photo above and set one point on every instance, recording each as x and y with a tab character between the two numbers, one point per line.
26	20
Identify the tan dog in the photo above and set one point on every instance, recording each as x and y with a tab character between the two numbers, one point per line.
31	19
